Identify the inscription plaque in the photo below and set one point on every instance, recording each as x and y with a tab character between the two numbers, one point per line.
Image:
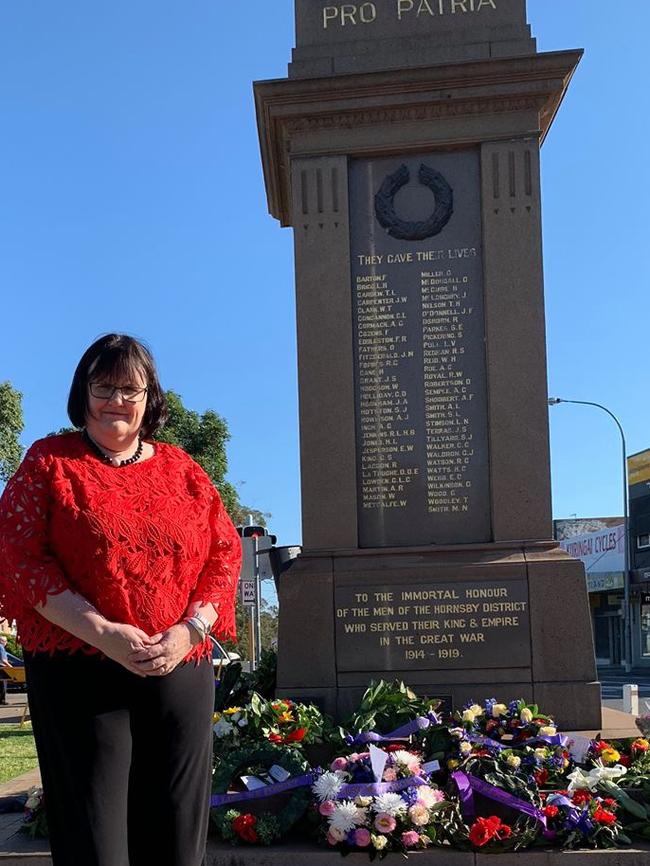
438	626
420	380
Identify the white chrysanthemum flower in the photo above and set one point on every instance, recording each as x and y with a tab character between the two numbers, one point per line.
327	786
347	816
389	804
406	759
430	796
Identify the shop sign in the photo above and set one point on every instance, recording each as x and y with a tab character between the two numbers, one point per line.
605	582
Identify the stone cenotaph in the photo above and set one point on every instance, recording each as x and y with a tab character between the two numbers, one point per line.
403	149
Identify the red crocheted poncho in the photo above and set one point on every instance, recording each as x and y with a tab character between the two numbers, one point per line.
139	542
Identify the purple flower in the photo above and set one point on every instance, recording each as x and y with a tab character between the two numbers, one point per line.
410	795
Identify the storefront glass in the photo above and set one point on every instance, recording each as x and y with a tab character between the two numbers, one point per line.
645	628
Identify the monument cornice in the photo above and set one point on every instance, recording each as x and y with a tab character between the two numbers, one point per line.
293	114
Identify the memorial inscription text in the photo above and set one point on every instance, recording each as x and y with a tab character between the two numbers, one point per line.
352	14
438	626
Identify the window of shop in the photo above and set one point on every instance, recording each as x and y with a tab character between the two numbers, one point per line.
645	625
643	541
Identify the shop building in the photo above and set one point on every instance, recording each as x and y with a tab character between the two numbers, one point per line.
638	469
600	543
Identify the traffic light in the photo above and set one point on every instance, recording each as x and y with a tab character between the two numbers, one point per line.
256	532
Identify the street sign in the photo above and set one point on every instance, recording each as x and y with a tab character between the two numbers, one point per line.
248	593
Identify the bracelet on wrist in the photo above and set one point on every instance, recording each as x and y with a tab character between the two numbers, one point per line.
197	626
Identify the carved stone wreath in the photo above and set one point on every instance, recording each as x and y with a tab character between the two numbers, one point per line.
414	231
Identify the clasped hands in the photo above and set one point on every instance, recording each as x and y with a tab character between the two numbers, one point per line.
148	655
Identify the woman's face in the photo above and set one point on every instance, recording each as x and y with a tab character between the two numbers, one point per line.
116	409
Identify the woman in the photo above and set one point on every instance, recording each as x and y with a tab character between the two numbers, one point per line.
117	558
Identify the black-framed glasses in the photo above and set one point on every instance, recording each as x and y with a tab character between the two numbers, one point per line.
128	392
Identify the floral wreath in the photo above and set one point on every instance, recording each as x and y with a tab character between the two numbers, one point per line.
235	824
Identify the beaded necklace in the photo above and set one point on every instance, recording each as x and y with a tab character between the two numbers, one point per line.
106	458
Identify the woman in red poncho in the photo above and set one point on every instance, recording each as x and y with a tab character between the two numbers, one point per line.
117	558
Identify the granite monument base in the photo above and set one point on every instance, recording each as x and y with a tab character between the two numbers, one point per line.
460	623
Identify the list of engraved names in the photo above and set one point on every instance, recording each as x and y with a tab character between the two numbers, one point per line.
420	382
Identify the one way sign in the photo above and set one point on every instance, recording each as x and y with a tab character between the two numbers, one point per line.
248	593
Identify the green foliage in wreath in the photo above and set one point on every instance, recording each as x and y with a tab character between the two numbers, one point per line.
266	828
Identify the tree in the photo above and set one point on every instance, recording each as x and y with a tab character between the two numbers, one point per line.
204	438
11	426
268	624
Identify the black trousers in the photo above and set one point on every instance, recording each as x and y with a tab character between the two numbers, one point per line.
125	761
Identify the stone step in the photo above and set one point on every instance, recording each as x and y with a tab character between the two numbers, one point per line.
303	854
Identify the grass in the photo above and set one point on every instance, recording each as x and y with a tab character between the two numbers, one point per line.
17	751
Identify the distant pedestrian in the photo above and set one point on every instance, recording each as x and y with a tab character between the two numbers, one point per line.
117	558
4	663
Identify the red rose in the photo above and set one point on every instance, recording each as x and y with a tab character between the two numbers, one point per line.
602	816
581	796
296	736
600	745
610	803
624	761
244	827
551	811
541	776
275	738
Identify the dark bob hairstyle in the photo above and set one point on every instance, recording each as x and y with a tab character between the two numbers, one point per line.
116	358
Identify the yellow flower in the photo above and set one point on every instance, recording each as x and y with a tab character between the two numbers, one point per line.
286	716
499	710
452	764
215	718
548	731
610	756
231	711
378	842
526	716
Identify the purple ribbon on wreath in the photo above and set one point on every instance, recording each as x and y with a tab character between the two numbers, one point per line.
554	741
260	793
374	789
421	723
467	785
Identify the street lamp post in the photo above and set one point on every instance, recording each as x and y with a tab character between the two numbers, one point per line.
627	619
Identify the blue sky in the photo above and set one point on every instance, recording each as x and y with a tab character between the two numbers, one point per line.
132	200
